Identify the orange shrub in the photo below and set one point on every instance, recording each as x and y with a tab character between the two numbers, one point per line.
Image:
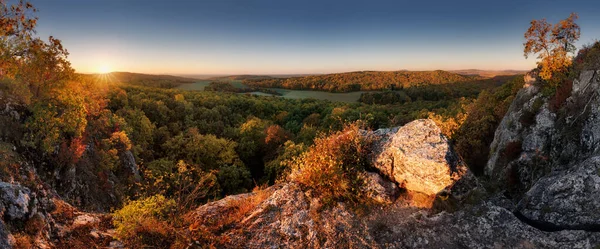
330	168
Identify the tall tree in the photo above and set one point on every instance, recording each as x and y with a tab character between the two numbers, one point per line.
27	61
554	44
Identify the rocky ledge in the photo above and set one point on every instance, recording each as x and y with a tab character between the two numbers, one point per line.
433	201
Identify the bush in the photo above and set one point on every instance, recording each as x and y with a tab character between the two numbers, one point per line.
588	58
279	168
513	150
234	179
143	221
331	167
560	96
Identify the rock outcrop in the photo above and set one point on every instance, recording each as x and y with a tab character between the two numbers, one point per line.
547	158
418	157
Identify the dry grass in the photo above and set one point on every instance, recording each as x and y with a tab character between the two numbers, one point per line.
63	212
210	231
23	241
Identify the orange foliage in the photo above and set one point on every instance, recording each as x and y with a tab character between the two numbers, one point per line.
331	166
275	135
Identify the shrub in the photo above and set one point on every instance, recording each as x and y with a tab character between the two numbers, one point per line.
234	179
181	181
560	96
513	150
331	167
141	221
588	58
527	118
279	168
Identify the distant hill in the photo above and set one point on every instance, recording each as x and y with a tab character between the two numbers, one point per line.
241	77
363	80
152	80
489	73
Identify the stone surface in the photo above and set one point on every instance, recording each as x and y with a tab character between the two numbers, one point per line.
552	171
289	218
486	225
130	165
6	239
379	189
84	220
417	157
568	199
15	201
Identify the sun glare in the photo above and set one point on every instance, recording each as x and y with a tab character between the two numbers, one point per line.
104	69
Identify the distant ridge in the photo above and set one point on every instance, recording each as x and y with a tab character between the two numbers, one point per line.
363	80
488	73
152	80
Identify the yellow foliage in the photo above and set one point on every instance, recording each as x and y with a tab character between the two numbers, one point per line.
138	213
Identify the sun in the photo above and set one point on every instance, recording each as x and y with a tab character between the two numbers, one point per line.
104	69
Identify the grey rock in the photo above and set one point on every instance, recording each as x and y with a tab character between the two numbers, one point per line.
553	176
418	157
6	239
130	165
379	189
483	226
569	200
584	80
15	201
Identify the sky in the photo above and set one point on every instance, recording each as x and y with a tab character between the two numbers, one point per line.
301	36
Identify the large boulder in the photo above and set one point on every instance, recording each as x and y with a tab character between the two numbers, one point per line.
418	157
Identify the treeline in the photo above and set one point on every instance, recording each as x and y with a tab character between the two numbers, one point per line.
225	86
433	92
362	81
162	81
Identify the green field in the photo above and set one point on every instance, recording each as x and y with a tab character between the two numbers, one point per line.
350	97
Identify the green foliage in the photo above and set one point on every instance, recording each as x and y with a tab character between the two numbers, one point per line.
206	151
139	128
138	213
160	81
472	140
280	167
181	181
62	116
234	179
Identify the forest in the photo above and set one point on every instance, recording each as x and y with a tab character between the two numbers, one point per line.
362	81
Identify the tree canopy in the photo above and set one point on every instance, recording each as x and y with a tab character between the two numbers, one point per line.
554	44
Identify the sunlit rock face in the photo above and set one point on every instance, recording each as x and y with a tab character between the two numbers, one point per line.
418	157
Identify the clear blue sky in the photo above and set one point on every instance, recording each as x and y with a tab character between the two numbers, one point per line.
300	36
